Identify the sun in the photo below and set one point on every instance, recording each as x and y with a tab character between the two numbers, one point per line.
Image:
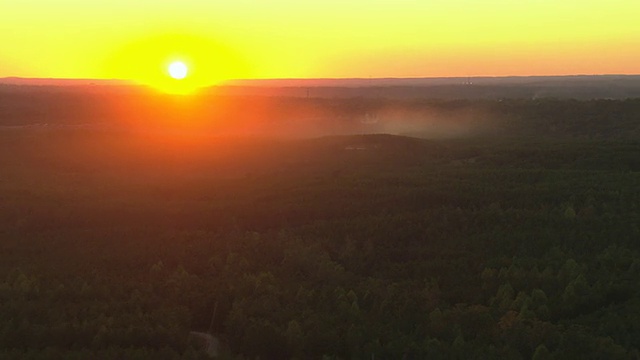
178	70
176	63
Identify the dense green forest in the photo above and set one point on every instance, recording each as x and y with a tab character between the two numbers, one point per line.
520	241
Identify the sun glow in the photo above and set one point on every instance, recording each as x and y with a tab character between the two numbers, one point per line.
176	63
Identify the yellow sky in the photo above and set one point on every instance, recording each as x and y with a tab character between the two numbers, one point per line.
329	38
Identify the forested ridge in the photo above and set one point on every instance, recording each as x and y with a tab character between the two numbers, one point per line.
517	243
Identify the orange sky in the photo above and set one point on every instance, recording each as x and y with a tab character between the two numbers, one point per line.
291	39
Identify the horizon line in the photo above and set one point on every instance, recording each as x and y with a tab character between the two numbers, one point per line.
356	82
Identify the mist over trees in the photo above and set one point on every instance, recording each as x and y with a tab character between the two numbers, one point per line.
136	109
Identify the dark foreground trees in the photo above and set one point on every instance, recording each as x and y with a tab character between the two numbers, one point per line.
476	248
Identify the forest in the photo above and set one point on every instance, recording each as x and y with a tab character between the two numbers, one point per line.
403	229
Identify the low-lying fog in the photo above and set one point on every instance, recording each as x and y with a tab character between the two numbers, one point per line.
243	115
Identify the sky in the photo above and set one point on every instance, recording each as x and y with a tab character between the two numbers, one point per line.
218	40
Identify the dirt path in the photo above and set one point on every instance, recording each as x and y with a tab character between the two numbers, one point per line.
210	342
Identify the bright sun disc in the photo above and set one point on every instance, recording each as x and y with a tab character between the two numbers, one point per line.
178	70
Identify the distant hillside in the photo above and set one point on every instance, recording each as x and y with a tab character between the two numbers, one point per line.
534	87
517	87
